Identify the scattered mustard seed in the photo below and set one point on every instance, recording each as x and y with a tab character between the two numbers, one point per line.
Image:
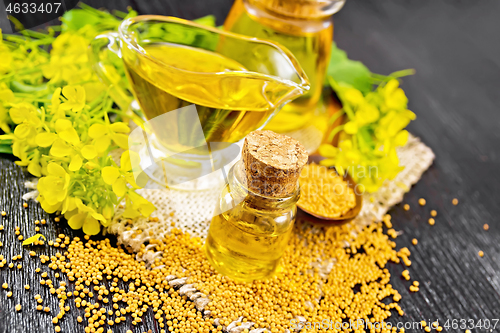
19	266
43	221
481	253
57	329
454	201
20	237
4	213
421	202
433	213
56	219
432	221
414	241
427	329
39	307
1	227
25	205
18	307
5	285
406	207
46	309
486	226
27	287
9	294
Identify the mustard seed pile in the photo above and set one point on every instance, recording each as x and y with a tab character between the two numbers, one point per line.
320	279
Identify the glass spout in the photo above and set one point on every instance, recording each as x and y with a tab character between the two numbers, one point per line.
262	76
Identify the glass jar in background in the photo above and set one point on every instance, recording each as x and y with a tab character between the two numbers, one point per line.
304	27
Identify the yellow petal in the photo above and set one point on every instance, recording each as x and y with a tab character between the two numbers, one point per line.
97	130
22	130
32	239
76	221
76	163
129	160
71	136
119	127
327	150
353	96
60	148
401	138
120	139
45	139
89	152
110	174
35	169
62	125
102	143
55	169
120	187
351	127
91	226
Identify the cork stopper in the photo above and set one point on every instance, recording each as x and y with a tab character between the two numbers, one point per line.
272	163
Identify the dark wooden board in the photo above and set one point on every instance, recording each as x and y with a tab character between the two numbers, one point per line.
455	47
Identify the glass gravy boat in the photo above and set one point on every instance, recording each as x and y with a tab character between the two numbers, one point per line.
196	85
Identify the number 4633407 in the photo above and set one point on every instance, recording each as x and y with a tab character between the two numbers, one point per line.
464	324
33	8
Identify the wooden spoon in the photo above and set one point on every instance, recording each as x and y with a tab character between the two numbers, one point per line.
315	218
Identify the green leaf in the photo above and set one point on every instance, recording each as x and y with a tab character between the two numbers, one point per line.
347	71
78	18
208	20
5	148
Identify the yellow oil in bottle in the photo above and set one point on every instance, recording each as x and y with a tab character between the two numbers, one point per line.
246	243
308	38
160	90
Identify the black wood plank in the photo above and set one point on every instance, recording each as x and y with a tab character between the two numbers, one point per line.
454	46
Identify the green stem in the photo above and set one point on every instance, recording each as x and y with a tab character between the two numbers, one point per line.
334	132
336	116
21	72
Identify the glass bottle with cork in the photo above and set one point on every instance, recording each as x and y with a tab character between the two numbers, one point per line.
305	27
257	208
